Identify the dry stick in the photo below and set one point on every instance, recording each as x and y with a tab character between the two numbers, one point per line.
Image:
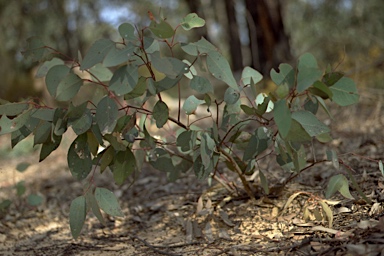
155	249
240	174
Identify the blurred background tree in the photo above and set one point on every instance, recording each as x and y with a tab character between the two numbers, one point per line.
257	33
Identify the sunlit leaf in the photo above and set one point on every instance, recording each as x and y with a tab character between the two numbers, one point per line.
192	20
250	76
191	103
328	212
100	73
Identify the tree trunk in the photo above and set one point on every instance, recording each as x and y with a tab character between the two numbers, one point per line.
268	42
233	36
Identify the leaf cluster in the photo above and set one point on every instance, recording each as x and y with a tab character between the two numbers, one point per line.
112	125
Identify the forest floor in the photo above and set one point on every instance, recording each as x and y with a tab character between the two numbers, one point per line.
188	217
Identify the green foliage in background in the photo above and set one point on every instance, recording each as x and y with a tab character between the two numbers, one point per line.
128	117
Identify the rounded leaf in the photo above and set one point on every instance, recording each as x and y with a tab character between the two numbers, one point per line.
192	20
231	96
191	103
106	115
201	85
160	113
107	201
127	31
161	29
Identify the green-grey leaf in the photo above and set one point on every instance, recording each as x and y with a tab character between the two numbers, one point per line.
344	92
100	73
310	123
191	103
185	141
117	56
250	76
127	31
201	85
22	167
161	160
49	146
82	124
108	202
10	125
124	165
161	29
257	144
308	72
192	20
264	182
96	53
338	183
79	158
219	68
68	87
43	70
124	80
231	96
54	76
106	115
207	147
204	46
286	75
42	132
297	133
13	109
36	49
332	156
45	114
92	203
34	200
77	213
160	113
282	117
